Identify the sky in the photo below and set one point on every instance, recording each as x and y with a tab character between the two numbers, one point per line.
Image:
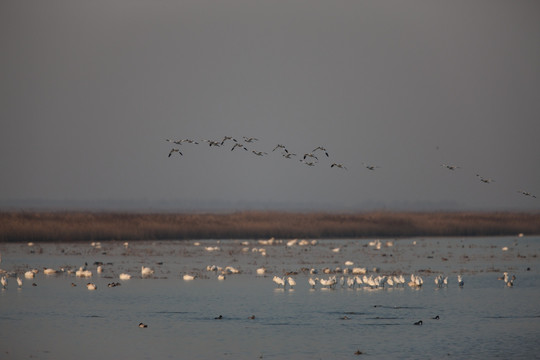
91	90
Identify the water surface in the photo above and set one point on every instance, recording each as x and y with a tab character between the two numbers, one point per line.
483	319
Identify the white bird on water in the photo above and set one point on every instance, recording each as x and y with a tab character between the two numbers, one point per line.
330	282
279	281
372	283
416	281
4	282
82	272
291	282
146	271
460	281
313	282
124	276
19	281
91	286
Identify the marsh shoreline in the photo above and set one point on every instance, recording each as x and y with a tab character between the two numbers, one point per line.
64	226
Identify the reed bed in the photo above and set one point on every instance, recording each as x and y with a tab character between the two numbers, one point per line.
100	226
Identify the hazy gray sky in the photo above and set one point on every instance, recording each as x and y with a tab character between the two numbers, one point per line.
90	90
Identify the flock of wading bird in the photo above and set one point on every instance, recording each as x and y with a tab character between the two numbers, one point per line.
310	158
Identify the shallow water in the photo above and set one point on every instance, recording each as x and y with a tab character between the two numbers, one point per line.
484	319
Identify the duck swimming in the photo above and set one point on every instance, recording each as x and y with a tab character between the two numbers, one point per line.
91	286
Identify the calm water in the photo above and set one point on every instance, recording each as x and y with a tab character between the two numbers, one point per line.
483	320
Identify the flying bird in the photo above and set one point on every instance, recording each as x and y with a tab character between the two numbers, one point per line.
175	150
279	146
250	139
212	142
238	145
341	166
484	180
370	167
259	153
179	142
450	167
322	149
526	193
311	155
227	138
308	163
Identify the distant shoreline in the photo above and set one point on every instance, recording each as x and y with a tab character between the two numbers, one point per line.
22	226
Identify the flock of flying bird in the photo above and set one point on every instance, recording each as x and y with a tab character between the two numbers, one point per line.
310	158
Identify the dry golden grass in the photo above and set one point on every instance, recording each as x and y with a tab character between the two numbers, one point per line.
93	226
